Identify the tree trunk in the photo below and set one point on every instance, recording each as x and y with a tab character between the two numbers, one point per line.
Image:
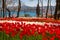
8	11
7	8
47	9
55	14
57	10
19	7
38	9
3	7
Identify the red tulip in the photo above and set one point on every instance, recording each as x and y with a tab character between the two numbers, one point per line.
44	38
7	32
0	29
52	38
13	33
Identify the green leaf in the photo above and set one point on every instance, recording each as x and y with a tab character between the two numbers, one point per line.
1	35
32	38
5	36
24	38
56	39
39	37
17	37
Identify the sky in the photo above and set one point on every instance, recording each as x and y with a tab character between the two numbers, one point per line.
32	3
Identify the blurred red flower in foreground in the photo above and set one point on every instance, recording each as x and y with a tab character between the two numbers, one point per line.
31	29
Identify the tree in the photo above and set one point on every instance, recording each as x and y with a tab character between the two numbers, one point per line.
19	8
38	9
57	10
7	8
3	7
47	9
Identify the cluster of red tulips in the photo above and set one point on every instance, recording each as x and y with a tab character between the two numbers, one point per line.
48	31
35	19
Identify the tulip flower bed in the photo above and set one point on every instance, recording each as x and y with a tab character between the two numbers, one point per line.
16	30
31	19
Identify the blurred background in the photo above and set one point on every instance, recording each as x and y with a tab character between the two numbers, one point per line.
29	8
